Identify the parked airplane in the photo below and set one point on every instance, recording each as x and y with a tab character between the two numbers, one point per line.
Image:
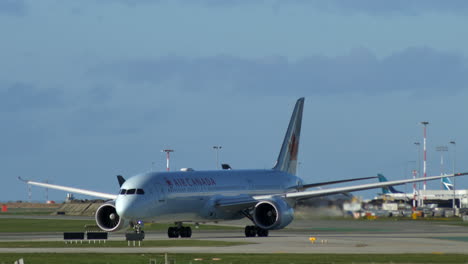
266	197
386	189
447	183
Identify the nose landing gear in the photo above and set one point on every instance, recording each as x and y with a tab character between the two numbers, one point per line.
179	230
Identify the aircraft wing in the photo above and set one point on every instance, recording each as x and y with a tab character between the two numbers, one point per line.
311	185
236	201
72	189
325	192
235	204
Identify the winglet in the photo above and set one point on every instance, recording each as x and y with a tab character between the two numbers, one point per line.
287	159
23	180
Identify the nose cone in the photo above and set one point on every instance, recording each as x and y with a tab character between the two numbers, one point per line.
127	207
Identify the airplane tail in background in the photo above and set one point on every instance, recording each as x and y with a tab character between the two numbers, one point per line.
388	189
448	185
287	159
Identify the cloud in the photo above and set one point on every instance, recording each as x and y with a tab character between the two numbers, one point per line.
412	70
12	7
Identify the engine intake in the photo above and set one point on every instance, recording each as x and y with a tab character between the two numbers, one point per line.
274	214
107	218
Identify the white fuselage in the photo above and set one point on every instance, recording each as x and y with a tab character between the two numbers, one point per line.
192	195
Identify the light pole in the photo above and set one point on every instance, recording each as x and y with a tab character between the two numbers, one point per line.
168	156
407	169
217	148
442	149
425	123
414	191
47	191
417	174
453	171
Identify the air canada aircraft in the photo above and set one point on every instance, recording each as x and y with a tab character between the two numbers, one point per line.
267	197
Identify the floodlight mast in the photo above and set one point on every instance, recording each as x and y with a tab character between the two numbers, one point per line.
425	123
442	149
168	157
414	191
454	205
417	187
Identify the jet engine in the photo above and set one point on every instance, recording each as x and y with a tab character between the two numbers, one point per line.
107	218
273	214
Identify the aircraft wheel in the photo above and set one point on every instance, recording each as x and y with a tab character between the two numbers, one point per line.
262	232
188	231
182	232
250	231
172	232
185	231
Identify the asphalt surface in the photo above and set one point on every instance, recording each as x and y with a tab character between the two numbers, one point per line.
331	236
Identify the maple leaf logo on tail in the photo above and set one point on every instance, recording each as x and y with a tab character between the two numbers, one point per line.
287	158
293	148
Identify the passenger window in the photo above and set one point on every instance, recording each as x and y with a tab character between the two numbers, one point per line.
123	191
140	191
131	191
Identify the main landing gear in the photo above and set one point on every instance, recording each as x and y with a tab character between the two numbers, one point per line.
179	230
252	231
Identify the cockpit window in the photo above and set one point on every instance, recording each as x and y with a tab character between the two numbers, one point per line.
132	191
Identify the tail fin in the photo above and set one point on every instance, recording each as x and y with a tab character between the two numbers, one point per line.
448	185
121	180
388	189
287	159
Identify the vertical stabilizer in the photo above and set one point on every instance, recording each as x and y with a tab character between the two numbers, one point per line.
448	185
287	159
387	189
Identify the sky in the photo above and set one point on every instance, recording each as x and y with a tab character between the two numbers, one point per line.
95	88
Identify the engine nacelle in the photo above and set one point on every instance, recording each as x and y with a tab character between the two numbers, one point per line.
273	214
108	220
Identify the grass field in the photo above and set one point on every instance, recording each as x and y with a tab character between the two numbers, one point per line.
17	225
234	258
145	243
42	225
28	212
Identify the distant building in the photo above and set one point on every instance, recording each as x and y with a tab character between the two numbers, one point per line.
443	198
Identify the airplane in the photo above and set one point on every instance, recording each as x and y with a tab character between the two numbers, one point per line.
447	183
386	189
265	196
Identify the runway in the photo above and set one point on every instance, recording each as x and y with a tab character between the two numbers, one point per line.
332	236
